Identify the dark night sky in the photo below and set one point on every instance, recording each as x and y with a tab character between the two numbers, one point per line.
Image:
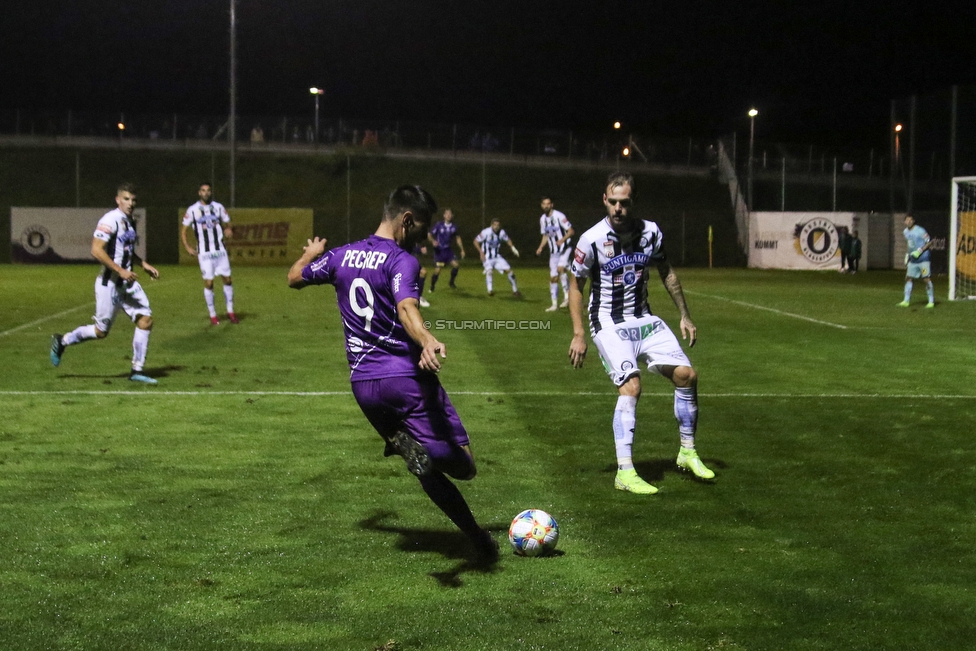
820	72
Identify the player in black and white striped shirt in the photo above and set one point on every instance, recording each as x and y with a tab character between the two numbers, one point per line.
210	222
557	232
617	255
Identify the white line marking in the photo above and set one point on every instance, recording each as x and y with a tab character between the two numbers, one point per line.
602	394
43	319
769	309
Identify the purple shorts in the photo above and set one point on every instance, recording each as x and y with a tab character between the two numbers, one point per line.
443	256
419	406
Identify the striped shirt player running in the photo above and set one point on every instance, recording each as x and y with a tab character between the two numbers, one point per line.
210	223
558	233
918	261
489	243
616	255
117	286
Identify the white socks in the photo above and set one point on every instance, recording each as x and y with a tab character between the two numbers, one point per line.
686	413
624	422
229	297
140	344
208	295
78	335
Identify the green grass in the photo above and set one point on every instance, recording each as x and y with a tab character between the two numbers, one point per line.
224	509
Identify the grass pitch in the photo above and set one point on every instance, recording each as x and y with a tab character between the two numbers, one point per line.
243	503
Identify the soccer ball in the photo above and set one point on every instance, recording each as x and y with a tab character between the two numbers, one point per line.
533	533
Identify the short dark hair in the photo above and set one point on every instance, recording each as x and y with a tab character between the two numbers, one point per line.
413	198
620	178
125	186
544	197
205	183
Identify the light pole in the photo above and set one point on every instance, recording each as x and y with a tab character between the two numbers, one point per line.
752	134
316	91
898	129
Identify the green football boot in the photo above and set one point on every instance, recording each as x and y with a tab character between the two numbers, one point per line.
628	480
688	460
904	304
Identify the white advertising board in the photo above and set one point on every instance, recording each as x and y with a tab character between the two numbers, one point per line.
800	240
58	235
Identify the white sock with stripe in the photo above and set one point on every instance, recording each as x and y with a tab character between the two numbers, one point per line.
624	423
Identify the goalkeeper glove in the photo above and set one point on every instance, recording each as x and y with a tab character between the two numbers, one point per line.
916	254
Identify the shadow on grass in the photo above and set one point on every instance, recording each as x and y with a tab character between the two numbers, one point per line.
154	372
449	544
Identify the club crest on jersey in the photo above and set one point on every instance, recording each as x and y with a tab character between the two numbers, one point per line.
608	249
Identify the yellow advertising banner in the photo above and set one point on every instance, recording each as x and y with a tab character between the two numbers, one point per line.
262	236
966	246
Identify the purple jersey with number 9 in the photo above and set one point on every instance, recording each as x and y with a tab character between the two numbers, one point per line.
370	278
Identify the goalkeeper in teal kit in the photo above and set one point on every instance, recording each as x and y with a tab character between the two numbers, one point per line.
918	261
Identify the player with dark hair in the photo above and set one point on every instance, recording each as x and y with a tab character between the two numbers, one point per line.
918	261
210	223
489	244
116	287
617	254
558	233
393	358
443	235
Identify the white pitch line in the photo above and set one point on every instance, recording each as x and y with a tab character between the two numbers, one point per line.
770	309
603	394
43	319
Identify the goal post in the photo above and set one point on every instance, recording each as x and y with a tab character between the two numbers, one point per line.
962	239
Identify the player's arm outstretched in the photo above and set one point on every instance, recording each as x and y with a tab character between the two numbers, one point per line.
577	347
413	323
313	250
673	285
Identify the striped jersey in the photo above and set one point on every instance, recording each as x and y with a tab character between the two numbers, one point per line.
119	233
618	265
207	221
491	242
554	227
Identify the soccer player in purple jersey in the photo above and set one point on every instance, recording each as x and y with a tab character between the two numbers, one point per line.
443	235
393	358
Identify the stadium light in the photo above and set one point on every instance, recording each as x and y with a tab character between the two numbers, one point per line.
316	91
626	152
898	128
616	125
752	134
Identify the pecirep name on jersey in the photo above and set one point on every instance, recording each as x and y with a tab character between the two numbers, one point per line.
363	259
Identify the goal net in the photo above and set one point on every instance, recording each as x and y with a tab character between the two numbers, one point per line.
962	239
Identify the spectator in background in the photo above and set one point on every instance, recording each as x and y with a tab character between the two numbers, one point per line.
257	134
844	246
854	255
